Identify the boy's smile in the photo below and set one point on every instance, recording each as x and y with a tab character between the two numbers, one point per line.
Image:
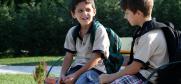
84	13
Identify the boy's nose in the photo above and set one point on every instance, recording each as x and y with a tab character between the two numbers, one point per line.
85	13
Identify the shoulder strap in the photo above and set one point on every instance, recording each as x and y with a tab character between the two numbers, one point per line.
96	25
151	25
132	45
75	33
171	38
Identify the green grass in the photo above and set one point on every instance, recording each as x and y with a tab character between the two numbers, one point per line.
28	61
24	78
16	79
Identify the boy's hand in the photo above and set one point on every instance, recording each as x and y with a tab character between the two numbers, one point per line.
50	80
70	79
62	79
105	78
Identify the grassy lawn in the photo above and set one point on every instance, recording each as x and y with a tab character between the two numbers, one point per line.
25	78
28	61
16	79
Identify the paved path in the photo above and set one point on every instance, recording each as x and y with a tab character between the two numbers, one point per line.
4	69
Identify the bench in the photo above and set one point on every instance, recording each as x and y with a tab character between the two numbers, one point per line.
126	48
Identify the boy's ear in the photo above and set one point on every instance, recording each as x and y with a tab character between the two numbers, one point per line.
94	12
73	15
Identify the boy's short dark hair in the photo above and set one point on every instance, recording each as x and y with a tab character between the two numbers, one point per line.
73	4
145	6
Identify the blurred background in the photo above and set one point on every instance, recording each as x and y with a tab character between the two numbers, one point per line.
38	27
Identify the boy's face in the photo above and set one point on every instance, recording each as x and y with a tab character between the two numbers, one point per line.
133	18
84	13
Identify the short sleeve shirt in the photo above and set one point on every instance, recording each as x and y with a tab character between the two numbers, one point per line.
151	47
84	48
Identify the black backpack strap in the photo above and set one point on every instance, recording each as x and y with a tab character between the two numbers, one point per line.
148	26
94	27
93	33
75	33
135	35
171	38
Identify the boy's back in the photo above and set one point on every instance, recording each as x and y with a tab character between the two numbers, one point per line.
149	50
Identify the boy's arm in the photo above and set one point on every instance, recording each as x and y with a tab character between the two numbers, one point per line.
91	63
66	63
70	79
131	69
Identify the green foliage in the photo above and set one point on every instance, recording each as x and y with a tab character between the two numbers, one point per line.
40	73
169	10
43	25
6	26
110	14
39	26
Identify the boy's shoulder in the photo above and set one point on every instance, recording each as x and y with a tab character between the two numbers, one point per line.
155	32
98	26
155	35
71	29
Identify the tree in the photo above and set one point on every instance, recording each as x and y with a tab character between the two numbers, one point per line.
169	10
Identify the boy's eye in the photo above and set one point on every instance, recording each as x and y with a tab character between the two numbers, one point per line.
88	10
80	11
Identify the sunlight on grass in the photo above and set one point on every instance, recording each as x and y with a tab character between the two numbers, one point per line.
29	60
16	79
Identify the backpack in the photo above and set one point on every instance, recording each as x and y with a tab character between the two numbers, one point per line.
168	73
115	59
172	37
